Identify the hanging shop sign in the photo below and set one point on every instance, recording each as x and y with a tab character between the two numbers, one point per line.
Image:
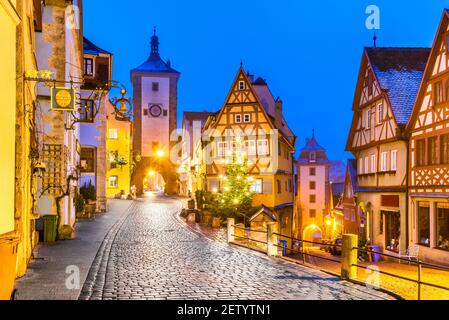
39	74
62	99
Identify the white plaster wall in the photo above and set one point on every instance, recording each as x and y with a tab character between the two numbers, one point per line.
319	192
155	129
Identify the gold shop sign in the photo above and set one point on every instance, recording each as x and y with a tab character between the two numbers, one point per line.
62	99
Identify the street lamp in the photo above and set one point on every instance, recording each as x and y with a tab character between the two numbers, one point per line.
160	153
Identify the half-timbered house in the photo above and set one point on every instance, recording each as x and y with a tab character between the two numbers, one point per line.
386	88
251	123
429	154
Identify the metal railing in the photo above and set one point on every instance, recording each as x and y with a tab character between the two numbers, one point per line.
302	251
303	254
420	264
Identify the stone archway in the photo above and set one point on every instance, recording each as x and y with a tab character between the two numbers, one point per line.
151	169
312	233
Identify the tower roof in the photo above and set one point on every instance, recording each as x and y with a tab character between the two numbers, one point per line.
312	144
312	152
154	62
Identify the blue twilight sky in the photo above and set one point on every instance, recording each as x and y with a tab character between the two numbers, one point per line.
308	50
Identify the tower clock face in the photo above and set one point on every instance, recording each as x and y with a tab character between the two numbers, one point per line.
155	111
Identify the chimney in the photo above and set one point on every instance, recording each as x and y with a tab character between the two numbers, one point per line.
278	112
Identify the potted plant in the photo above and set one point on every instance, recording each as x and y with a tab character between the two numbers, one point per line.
80	206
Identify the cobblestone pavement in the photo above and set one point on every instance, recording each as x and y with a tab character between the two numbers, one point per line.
153	255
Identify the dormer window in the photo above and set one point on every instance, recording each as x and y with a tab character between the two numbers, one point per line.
312	157
242	85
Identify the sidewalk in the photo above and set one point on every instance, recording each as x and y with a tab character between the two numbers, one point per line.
46	275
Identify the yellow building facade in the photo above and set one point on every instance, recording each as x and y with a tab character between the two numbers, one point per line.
18	22
118	154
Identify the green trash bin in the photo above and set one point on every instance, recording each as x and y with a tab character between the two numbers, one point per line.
50	228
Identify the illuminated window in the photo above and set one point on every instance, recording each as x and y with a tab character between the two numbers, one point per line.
443	226
257	186
87	159
86	111
250	146
113	133
424	223
113	182
262	147
222	148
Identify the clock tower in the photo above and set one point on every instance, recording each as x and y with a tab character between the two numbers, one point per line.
155	85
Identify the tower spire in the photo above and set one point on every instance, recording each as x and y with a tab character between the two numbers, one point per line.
374	40
154	45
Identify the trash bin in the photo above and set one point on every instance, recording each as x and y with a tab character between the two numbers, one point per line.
375	256
8	258
284	247
50	228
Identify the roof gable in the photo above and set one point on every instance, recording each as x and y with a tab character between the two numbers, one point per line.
431	64
399	72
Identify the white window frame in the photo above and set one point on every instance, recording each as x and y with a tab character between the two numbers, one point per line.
360	165
262	144
369	118
384	161
113	133
222	148
250	147
394	160
373	163
247	118
257	186
238	118
380	109
113	185
242	85
366	164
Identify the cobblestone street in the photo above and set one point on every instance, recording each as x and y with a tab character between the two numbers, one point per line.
151	254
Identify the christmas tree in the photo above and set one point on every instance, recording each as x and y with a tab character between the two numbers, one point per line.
236	195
